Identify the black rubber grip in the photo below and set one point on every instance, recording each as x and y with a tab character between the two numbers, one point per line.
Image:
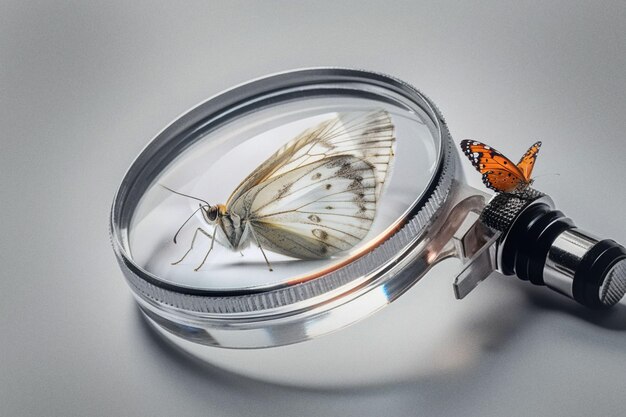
517	235
528	242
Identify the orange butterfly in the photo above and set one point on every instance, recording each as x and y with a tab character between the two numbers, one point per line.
499	173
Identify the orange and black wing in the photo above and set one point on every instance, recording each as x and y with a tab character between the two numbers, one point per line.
499	173
527	163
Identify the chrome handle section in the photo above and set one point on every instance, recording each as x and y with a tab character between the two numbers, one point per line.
564	257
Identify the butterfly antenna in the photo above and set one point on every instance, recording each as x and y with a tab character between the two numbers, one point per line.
547	175
185	222
184	195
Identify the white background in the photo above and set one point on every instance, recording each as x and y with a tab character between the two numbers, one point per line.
85	85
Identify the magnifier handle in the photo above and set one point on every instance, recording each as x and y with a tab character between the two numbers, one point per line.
544	247
539	244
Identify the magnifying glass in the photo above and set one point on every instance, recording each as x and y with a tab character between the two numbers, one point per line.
296	204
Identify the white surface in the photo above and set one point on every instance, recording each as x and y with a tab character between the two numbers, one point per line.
84	86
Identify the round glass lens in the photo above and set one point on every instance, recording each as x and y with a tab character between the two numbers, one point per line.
284	194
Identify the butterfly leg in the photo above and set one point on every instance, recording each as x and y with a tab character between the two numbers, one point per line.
192	242
260	247
266	261
207	254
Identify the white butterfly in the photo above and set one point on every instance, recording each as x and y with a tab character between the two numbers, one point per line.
315	197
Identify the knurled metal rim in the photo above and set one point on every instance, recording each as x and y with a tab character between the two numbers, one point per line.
504	208
614	287
367	268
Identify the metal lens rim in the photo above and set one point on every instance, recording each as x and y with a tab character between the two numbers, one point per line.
159	152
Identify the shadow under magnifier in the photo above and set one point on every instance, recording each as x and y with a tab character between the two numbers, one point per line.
610	319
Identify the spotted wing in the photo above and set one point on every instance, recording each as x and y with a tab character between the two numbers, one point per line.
312	211
367	136
527	163
499	173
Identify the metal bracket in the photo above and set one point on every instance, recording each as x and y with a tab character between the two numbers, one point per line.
476	245
477	268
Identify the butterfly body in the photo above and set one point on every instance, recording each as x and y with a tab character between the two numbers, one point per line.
499	172
315	197
233	232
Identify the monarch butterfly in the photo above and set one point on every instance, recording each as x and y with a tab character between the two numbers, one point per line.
499	173
315	197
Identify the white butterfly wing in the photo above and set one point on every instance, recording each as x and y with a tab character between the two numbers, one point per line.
315	210
367	136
